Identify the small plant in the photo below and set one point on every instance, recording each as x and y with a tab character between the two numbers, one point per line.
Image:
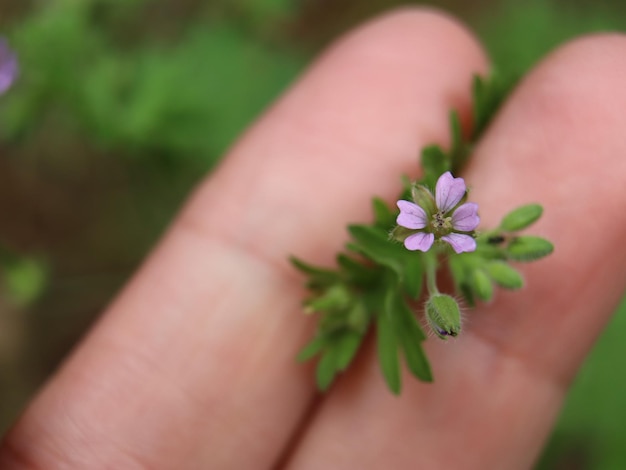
378	282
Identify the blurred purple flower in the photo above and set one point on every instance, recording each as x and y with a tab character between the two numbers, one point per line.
8	66
442	218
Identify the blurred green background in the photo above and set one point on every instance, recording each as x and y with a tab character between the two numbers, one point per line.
123	105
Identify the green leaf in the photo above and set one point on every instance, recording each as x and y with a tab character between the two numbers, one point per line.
416	359
488	93
317	276
384	216
413	278
25	280
504	275
528	248
387	348
347	346
521	217
435	163
336	297
458	141
355	271
467	293
375	244
339	350
482	285
326	369
312	349
358	318
410	336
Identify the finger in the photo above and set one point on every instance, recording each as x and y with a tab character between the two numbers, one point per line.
194	362
559	141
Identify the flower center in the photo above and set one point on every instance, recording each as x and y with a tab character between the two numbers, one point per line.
441	225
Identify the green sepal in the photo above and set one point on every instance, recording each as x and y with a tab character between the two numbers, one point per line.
421	195
504	275
528	248
521	218
400	233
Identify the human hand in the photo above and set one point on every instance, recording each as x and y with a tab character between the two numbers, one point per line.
193	367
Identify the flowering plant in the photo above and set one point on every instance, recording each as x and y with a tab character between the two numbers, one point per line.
379	279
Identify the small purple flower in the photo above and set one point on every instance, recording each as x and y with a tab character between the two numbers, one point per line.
8	66
441	217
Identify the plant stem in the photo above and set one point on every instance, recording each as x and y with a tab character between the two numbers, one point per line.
431	264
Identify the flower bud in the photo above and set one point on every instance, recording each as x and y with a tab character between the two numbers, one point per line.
443	315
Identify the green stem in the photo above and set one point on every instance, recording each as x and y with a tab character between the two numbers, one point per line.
431	264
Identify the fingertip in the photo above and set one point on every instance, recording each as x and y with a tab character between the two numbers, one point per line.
559	141
345	130
406	26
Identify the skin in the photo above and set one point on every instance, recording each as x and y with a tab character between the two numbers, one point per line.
192	366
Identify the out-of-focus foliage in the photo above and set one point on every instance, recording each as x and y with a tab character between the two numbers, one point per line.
518	34
181	97
120	108
22	279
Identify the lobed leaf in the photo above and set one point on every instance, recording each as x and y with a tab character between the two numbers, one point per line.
528	248
435	163
374	243
317	276
326	369
384	216
312	349
387	348
482	285
521	217
504	275
410	336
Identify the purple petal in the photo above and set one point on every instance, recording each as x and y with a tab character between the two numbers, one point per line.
449	191
411	215
460	243
419	241
465	217
8	66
